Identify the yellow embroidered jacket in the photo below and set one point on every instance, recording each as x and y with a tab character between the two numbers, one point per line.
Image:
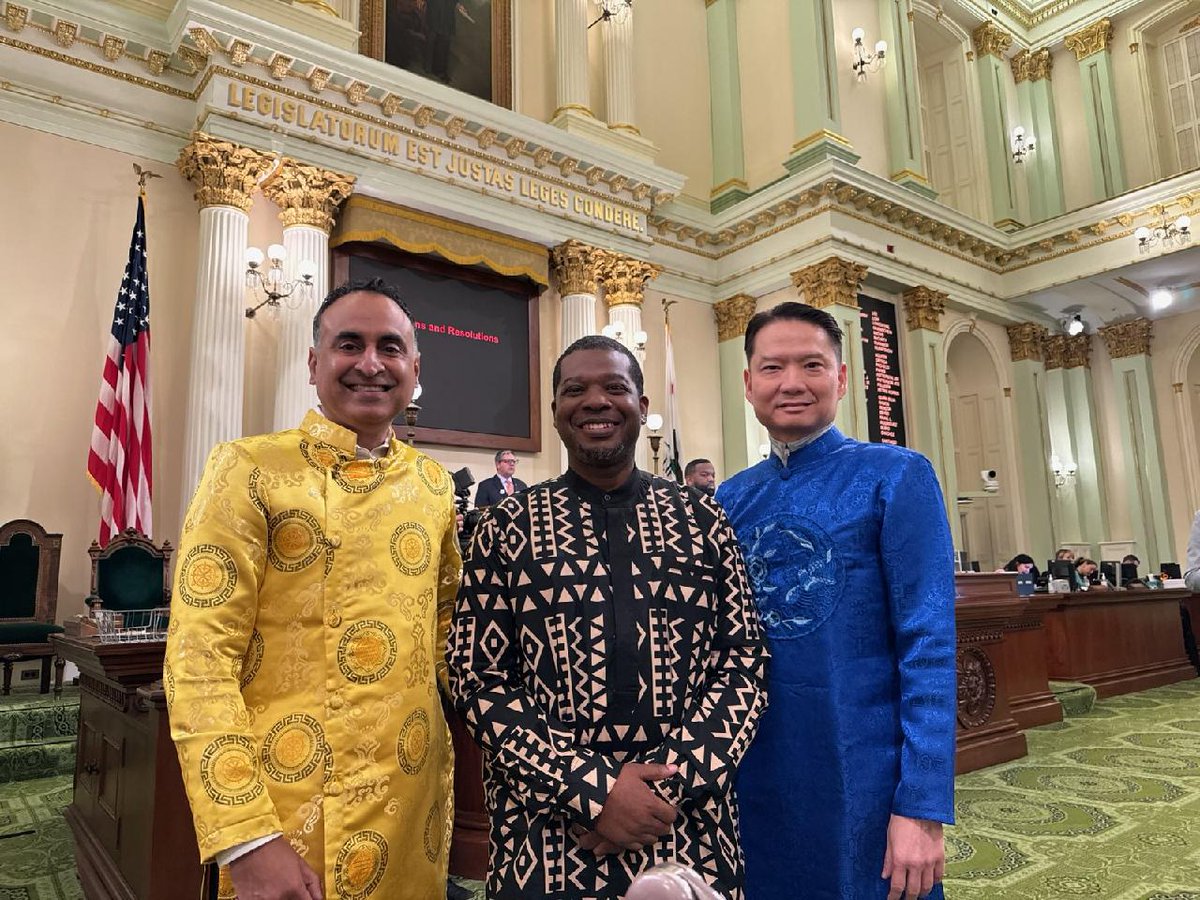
307	641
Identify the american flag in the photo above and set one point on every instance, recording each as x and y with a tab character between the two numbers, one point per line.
119	461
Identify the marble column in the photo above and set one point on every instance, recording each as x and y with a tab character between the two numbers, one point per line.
833	285
308	198
1136	412
906	147
574	267
930	428
1025	343
1091	48
741	432
816	109
991	42
725	91
226	176
1084	428
571	58
617	38
624	281
1043	167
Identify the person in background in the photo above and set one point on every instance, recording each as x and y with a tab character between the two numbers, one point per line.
1191	575
1084	570
1064	554
1022	563
845	790
702	475
316	577
502	484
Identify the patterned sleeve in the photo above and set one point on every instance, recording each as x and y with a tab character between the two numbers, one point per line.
213	610
449	577
722	714
918	565
538	755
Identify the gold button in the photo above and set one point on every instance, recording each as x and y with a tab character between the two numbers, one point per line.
333	620
333	787
336	702
334	541
331	685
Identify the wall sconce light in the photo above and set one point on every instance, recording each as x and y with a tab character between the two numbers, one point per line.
616	331
1022	144
654	424
613	9
1165	232
270	282
1062	471
1074	325
867	62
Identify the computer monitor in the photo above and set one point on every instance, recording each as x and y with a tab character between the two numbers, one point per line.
1063	568
1171	570
1110	568
1128	573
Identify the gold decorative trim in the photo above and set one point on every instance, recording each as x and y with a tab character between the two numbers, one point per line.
1133	47
239	52
923	308
733	315
626	127
65	33
1130	338
823	135
989	39
573	266
225	173
1177	387
1041	64
96	68
831	281
910	175
318	79
623	278
737	183
1077	351
573	107
1025	341
1020	66
15	17
1054	350
1092	39
281	66
1007	391
1188	26
320	6
113	47
307	195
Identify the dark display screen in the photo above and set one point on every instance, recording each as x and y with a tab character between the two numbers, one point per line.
881	371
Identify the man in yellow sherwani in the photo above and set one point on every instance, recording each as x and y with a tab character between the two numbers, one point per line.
316	575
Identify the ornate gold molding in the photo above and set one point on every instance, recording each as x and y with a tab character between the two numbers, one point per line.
623	277
1041	64
833	280
307	195
15	16
989	39
225	173
733	315
1020	66
923	308
1054	350
1025	341
1130	338
1077	351
113	47
573	265
1092	39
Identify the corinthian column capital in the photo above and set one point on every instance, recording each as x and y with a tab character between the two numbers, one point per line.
1025	341
624	278
1092	39
733	315
307	195
225	174
1128	338
923	308
574	266
833	280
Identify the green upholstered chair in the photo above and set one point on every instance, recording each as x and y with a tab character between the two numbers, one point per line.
130	573
29	598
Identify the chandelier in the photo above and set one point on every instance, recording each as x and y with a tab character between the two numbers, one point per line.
270	284
613	9
1166	232
1022	144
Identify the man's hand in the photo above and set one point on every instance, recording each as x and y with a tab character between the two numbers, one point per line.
915	859
274	871
633	815
591	840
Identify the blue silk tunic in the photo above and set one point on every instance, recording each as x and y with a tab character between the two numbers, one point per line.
851	562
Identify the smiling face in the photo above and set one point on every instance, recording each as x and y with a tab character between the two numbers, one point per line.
598	414
365	365
794	379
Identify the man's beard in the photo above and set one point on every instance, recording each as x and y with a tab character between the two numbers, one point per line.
605	457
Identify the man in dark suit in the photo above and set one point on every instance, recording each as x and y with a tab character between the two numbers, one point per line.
494	489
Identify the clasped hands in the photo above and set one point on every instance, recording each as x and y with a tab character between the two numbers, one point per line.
633	816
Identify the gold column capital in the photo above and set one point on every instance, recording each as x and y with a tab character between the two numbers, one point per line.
225	173
1092	39
832	280
733	315
1077	351
574	267
1041	64
1054	350
1129	338
1025	341
1020	64
624	278
923	308
989	39
307	195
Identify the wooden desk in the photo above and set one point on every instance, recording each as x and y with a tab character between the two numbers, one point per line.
1119	642
1025	644
986	606
133	831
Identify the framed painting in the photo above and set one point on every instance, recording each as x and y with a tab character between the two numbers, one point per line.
466	44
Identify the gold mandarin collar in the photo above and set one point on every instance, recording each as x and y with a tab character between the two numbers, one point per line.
335	435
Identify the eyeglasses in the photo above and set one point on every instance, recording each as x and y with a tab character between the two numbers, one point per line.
509	460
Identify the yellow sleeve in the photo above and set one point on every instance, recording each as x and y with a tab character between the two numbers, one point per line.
213	611
449	577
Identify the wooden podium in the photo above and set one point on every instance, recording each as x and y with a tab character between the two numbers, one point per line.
130	818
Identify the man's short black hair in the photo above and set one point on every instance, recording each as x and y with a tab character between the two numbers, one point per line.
600	342
366	286
500	453
692	466
792	311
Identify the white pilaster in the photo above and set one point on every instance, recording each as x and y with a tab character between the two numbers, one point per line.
618	71
294	396
571	56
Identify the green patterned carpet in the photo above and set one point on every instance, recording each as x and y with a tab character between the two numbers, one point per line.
1106	805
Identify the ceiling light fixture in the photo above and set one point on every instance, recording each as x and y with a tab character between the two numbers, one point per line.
1161	299
1165	232
1074	325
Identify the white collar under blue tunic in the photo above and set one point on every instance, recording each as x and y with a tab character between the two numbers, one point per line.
784	449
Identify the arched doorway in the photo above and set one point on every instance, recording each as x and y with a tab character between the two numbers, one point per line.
980	430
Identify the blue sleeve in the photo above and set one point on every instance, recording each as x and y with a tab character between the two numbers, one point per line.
918	566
